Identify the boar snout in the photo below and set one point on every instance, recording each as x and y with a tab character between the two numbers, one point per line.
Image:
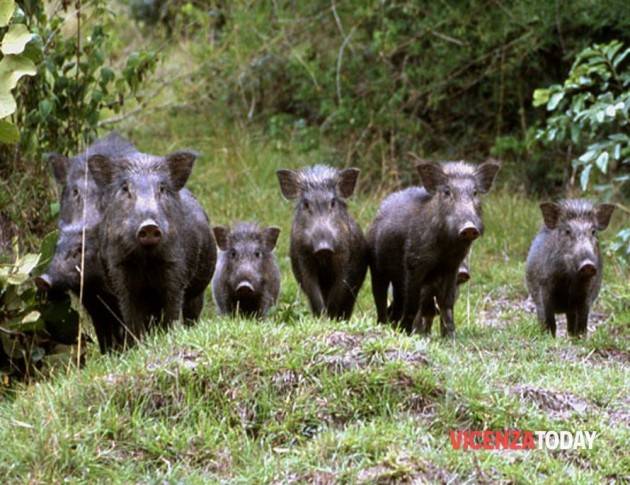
587	268
244	289
149	233
44	282
469	231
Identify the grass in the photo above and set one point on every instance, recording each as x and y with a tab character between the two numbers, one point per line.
300	399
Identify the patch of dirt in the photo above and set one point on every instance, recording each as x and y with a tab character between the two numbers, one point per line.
619	413
186	358
405	470
594	357
316	477
354	357
499	307
286	380
557	405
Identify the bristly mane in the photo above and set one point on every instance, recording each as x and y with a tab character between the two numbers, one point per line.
576	209
246	231
459	169
318	177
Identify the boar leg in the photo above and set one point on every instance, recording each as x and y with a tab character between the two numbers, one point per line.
581	323
192	308
446	301
546	315
380	286
414	276
314	293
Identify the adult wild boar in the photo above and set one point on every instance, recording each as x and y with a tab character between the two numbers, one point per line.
155	243
564	264
77	243
419	239
328	249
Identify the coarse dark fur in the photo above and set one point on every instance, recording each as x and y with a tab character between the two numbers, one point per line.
564	264
79	218
247	279
328	249
156	282
419	239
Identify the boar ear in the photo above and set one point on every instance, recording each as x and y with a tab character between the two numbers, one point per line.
180	166
347	181
603	212
431	175
551	213
288	183
59	164
270	236
221	234
485	174
102	169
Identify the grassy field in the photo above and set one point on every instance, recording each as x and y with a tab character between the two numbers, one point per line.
298	399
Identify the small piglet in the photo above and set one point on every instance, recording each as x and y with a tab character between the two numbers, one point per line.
155	243
247	279
564	265
328	249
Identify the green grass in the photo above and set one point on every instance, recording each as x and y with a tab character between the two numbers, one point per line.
295	398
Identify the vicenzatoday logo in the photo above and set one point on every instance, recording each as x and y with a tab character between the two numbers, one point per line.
514	439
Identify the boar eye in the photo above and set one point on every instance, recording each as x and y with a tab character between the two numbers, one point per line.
233	253
306	206
447	192
475	192
75	192
257	254
162	188
125	188
333	204
593	232
567	232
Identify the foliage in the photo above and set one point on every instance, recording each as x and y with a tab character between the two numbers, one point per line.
382	79
590	112
13	66
33	332
78	80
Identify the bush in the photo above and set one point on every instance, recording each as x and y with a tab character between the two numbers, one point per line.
382	79
59	108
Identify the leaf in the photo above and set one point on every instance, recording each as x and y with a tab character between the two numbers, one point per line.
7	7
554	101
541	96
31	317
12	68
585	176
7	104
602	162
588	156
8	133
27	263
617	152
15	39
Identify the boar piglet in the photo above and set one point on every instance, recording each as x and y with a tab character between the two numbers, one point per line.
247	279
155	243
328	249
419	239
79	213
564	264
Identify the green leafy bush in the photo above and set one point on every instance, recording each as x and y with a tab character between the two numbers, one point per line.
590	112
34	333
59	109
382	79
14	65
